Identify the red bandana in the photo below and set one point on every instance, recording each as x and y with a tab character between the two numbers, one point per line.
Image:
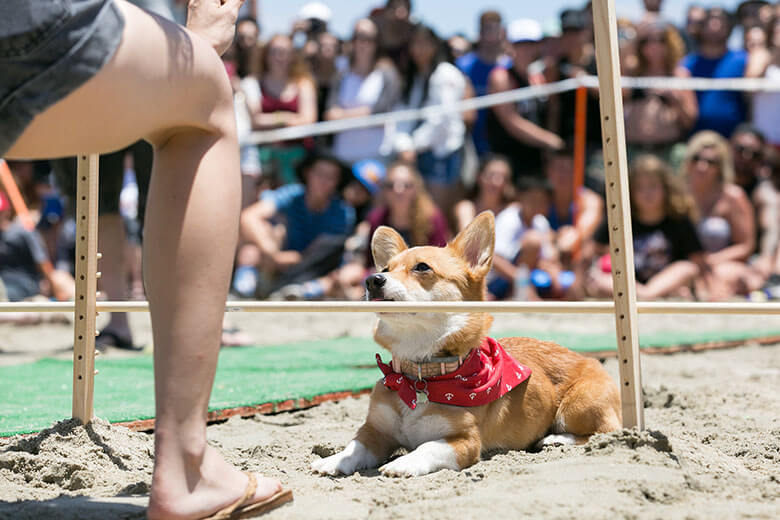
485	375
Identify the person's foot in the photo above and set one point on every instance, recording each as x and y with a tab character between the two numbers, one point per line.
214	20
212	487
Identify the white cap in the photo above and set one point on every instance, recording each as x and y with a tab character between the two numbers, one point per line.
524	30
315	10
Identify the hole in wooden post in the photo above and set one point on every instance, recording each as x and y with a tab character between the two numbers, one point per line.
606	118
626	383
613	206
617	273
83	178
615	228
609	163
83	258
81	277
81	297
81	337
83	198
620	295
609	139
81	317
83	217
80	356
625	361
80	378
83	238
622	316
623	338
617	249
611	184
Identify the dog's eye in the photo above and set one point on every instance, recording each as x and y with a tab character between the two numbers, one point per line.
385	270
422	267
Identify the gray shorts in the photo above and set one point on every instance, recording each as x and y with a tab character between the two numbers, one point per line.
48	48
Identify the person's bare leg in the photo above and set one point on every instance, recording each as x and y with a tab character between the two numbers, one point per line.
669	280
113	282
180	101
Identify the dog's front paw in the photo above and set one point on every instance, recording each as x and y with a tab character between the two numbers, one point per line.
407	466
354	457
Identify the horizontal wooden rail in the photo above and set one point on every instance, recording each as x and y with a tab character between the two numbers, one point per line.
589	307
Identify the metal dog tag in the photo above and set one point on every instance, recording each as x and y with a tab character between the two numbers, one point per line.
422	397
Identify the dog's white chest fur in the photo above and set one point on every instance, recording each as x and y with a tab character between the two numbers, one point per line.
411	428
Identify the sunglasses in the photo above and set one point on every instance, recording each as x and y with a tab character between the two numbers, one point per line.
364	38
700	158
748	152
398	185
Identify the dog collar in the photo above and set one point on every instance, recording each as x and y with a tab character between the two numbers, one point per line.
436	366
486	374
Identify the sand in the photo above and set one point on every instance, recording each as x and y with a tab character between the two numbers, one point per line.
711	448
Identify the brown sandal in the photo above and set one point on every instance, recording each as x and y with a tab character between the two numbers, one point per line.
238	510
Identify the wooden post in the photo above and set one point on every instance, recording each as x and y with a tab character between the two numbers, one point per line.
84	330
618	211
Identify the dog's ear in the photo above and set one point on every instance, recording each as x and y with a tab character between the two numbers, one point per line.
475	243
385	244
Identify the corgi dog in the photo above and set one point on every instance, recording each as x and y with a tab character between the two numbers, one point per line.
450	392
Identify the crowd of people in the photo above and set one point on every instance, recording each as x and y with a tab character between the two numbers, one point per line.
704	165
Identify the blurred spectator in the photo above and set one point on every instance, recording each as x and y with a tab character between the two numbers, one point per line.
667	252
295	234
246	45
657	120
492	191
755	40
523	243
281	93
765	63
457	46
395	31
365	88
311	21
404	205
573	215
113	235
24	263
325	67
477	64
365	184
719	110
652	12
579	57
694	21
747	146
726	226
516	130
435	144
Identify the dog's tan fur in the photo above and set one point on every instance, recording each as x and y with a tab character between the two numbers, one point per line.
566	393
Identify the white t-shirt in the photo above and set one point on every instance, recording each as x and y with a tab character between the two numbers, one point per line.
766	109
441	134
359	91
510	229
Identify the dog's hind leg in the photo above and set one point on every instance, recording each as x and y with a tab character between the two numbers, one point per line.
590	403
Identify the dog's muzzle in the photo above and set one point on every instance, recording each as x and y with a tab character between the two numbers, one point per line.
375	287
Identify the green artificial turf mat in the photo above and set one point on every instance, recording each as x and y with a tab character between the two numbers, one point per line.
34	395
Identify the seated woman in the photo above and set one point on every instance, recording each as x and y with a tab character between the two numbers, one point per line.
406	207
492	191
667	252
726	223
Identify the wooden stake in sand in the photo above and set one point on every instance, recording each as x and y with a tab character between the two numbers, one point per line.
84	330
618	211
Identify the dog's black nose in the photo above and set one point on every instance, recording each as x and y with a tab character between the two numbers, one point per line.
375	281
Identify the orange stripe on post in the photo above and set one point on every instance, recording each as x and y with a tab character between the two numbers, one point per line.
580	133
15	196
